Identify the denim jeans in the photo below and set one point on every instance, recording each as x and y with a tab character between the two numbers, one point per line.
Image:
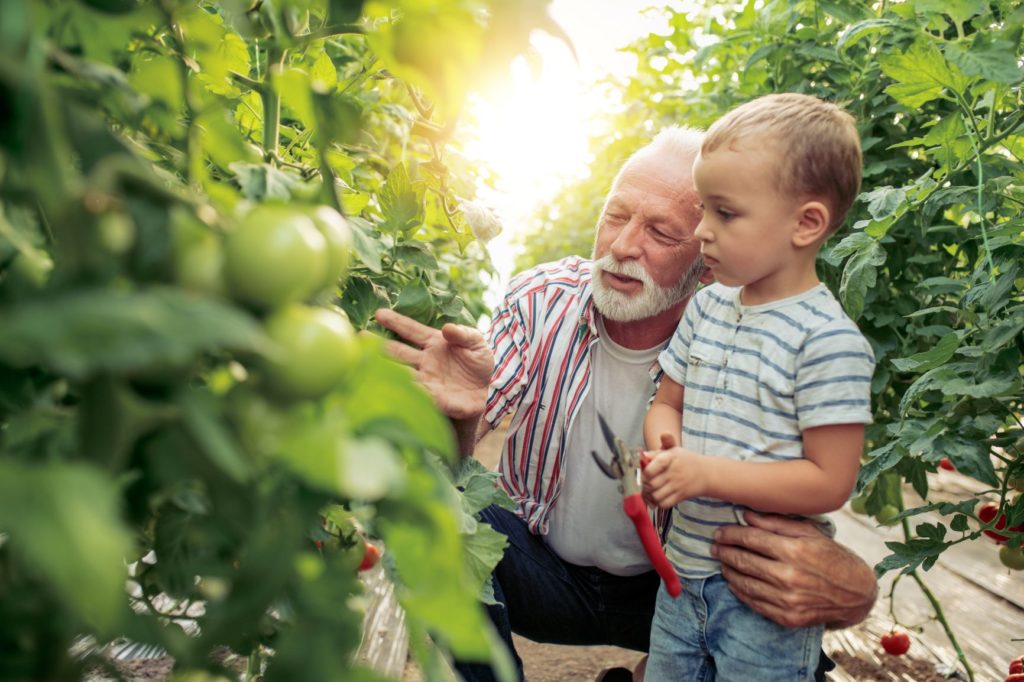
708	634
549	600
546	599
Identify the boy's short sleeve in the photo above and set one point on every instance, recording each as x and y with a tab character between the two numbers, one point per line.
833	377
674	358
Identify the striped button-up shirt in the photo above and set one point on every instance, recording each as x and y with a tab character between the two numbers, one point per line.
542	336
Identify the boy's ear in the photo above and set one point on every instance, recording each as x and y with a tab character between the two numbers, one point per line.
813	219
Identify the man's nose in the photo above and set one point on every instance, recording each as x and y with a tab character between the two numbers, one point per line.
626	244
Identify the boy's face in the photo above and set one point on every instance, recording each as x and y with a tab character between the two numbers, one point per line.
748	224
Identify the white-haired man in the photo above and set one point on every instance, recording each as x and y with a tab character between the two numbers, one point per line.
576	338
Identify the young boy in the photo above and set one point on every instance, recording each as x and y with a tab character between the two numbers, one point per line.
768	377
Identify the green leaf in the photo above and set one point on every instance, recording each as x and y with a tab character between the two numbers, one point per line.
387	390
993	60
859	274
106	330
416	302
368	249
200	412
929	380
158	77
296	98
853	34
932	358
990	387
921	74
884	201
479	486
64	525
401	202
484	549
370	469
323	76
261	182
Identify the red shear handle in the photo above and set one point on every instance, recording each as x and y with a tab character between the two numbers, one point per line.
636	510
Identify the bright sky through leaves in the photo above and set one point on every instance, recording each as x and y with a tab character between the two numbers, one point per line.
533	131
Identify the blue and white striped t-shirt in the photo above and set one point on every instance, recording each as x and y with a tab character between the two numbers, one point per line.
754	378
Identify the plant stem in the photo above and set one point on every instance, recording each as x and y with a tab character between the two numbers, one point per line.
941	617
272	101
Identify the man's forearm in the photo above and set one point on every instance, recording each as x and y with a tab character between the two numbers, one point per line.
468	433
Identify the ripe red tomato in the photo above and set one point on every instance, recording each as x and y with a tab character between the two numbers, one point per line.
1012	558
274	256
338	237
944	463
986	513
896	643
1017	665
1014	677
315	349
371	555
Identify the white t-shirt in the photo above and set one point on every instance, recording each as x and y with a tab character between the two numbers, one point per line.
587	526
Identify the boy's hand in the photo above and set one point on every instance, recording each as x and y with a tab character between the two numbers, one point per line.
673	474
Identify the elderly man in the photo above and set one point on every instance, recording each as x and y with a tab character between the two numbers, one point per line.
576	338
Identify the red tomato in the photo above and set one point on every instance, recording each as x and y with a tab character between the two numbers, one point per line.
371	555
896	643
1017	666
944	463
986	513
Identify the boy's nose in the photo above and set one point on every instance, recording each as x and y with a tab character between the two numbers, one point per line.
702	232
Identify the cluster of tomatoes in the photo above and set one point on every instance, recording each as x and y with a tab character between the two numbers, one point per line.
275	260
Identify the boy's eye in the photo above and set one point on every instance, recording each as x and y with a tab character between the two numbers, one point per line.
725	214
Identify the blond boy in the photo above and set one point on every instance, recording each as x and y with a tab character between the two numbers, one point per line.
768	378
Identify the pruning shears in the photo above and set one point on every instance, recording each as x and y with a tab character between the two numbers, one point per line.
625	466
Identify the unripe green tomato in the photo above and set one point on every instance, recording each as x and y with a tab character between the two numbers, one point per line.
886	514
858	504
1012	558
315	350
338	236
274	256
198	255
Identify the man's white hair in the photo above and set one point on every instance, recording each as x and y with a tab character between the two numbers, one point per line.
680	142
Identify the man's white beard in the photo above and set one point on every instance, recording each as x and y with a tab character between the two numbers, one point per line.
652	299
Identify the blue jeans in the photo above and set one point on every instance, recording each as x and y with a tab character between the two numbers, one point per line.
548	600
707	634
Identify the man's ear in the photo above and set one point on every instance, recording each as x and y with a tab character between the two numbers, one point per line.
813	219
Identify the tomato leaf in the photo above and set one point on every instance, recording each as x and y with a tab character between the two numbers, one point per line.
85	332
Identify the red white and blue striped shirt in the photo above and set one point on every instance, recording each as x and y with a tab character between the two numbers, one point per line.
542	336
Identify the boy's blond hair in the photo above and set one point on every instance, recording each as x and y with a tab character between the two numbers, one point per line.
818	145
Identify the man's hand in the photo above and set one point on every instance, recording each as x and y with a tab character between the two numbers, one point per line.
788	571
454	363
672	474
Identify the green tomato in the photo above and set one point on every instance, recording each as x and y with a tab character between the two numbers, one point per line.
1012	558
338	236
316	349
198	255
859	504
275	256
886	514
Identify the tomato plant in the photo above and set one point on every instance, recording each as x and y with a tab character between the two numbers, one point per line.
1012	557
190	191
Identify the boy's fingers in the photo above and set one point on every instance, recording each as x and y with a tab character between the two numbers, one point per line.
406	327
